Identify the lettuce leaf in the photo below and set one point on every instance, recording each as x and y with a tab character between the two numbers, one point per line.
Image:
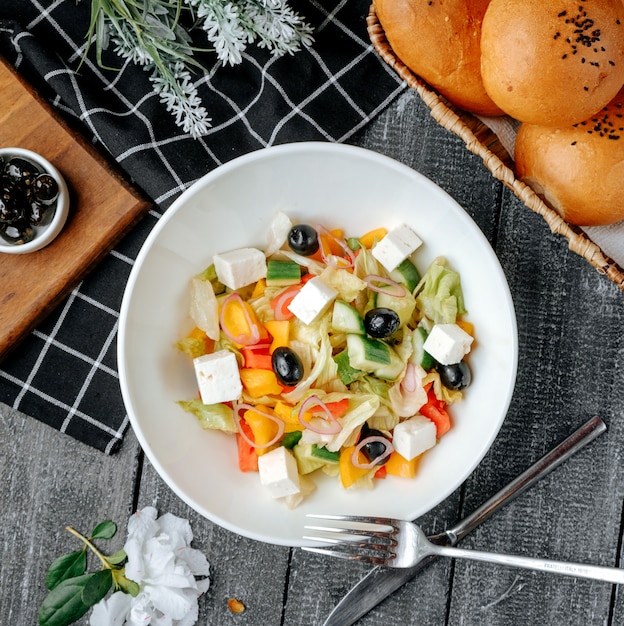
211	416
439	294
204	309
348	285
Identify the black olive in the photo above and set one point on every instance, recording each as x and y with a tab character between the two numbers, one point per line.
21	171
373	449
38	214
287	366
456	376
27	198
381	322
303	239
18	233
11	207
45	189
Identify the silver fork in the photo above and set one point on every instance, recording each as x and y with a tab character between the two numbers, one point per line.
399	544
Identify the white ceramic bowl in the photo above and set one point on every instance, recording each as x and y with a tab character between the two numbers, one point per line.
337	186
43	234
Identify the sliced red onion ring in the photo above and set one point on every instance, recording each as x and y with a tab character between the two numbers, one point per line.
281	311
390	288
249	407
333	425
409	379
244	340
341	262
382	457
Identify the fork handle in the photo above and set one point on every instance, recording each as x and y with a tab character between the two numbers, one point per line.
596	572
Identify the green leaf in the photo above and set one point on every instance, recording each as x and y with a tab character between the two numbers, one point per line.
118	558
64	604
104	530
97	587
67	566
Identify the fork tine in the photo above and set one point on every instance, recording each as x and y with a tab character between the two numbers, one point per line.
385	548
349	556
366	539
351	532
363	519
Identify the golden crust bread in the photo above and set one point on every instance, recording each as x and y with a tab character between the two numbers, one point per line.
439	40
553	63
578	170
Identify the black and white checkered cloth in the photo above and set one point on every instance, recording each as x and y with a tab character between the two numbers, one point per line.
65	373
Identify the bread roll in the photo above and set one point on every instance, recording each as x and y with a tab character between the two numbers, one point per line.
439	41
578	170
553	63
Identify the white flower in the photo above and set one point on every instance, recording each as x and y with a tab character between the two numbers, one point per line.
164	565
113	611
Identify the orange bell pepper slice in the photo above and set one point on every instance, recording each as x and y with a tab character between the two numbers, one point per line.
280	333
349	473
239	321
367	240
247	456
264	429
397	465
260	382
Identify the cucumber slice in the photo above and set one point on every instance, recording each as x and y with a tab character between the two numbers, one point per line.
346	373
290	440
367	354
281	273
420	356
346	319
320	452
306	463
393	370
406	274
403	306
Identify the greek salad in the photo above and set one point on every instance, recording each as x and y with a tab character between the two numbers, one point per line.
327	352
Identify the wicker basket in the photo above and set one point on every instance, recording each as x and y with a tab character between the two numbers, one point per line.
482	141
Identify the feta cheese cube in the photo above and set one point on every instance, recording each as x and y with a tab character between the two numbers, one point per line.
396	246
218	377
313	300
278	472
448	343
414	436
239	268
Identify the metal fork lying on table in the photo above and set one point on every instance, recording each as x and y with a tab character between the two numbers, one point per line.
399	544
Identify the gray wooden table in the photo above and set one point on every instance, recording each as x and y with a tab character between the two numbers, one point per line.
570	362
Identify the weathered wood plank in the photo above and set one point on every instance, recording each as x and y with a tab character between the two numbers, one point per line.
47	482
568	321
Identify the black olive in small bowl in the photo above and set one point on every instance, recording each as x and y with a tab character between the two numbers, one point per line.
34	201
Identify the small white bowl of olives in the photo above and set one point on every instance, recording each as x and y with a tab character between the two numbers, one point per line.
34	201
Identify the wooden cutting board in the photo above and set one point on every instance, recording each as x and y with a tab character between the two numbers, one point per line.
103	208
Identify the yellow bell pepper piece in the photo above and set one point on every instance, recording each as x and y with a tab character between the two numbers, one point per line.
288	416
349	473
235	320
372	236
263	428
467	326
196	343
397	465
330	245
260	382
259	288
280	332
